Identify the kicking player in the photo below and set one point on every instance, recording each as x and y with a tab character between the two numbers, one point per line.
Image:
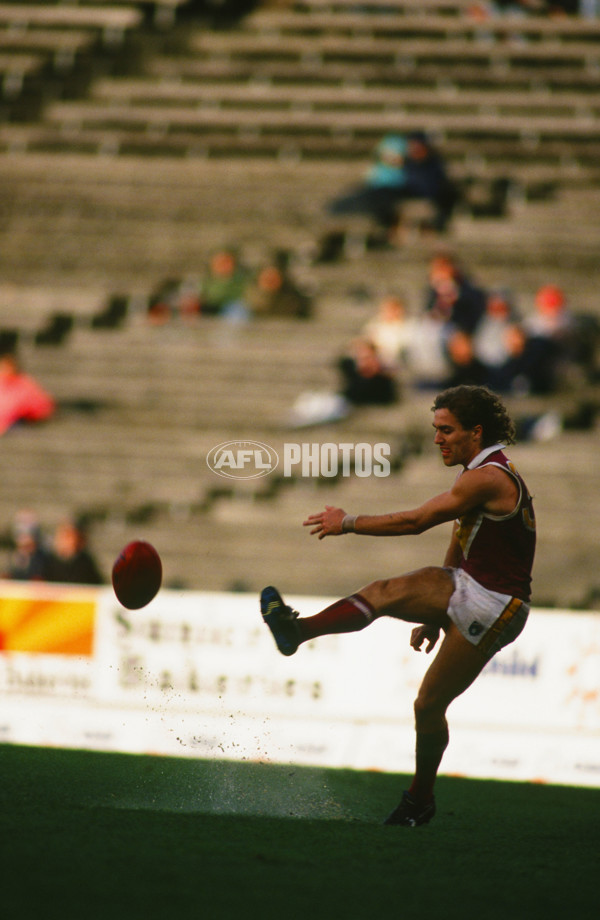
479	598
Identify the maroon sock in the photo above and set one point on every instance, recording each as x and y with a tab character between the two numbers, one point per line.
348	615
429	753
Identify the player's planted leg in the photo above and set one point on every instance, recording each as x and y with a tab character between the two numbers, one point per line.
410	813
429	751
452	671
418	803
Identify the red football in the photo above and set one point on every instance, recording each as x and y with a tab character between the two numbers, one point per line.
137	574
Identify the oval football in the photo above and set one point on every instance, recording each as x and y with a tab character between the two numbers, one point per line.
137	574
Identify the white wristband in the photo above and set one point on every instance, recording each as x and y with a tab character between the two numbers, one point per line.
349	523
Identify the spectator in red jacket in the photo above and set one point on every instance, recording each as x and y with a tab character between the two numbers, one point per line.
22	399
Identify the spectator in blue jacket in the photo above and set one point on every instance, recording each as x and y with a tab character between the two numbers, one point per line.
378	195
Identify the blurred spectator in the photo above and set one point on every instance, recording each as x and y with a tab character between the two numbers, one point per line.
427	358
452	296
70	561
427	179
465	368
365	378
377	196
551	318
433	349
365	381
223	286
29	559
499	343
404	168
551	333
273	292
175	298
22	399
454	307
390	331
437	347
218	291
541	353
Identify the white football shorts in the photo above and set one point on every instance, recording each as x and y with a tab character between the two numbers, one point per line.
487	619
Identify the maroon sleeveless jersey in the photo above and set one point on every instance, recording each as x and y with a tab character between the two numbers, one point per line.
498	550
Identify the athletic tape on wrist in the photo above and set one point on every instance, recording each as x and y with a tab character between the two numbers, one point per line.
349	523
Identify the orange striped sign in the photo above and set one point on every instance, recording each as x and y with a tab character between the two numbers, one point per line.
58	623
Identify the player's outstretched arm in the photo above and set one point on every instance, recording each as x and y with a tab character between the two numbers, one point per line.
334	521
475	488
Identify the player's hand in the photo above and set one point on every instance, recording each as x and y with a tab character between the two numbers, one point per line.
421	634
327	523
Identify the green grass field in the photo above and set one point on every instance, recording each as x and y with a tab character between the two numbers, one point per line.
90	835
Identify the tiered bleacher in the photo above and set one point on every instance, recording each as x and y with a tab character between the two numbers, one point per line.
318	80
185	130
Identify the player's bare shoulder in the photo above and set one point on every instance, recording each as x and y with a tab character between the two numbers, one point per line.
500	488
489	488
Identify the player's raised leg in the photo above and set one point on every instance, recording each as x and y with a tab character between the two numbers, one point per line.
418	597
289	629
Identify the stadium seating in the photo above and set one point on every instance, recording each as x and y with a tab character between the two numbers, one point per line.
503	96
50	49
186	138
